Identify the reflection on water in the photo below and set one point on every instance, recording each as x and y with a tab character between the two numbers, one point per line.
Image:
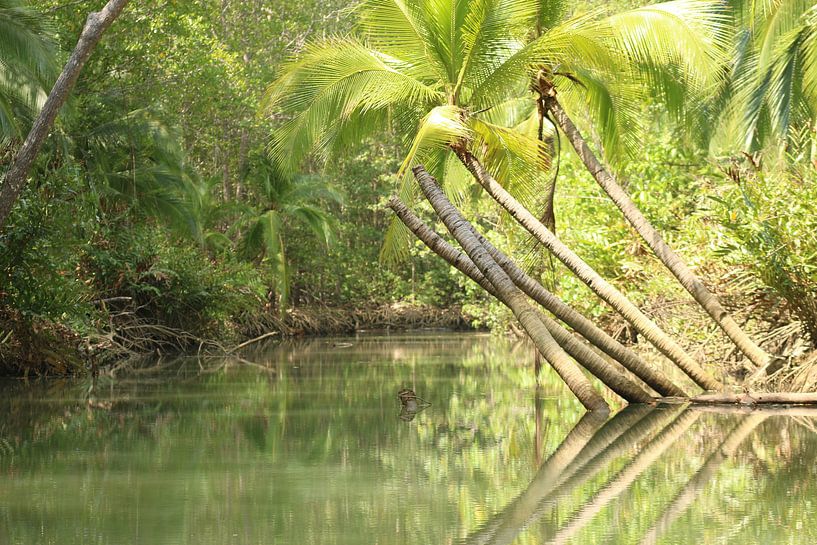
305	444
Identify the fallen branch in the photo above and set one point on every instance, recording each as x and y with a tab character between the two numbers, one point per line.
251	341
757	398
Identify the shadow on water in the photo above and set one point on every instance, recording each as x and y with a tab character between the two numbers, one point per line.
308	443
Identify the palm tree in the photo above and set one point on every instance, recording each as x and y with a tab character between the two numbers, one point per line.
770	95
455	76
136	160
27	64
281	200
610	375
512	296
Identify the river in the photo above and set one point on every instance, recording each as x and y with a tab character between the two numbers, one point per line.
305	443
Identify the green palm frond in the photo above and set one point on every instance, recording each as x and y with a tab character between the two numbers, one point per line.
690	34
137	159
613	108
27	65
399	28
492	31
772	93
442	126
578	40
809	48
334	84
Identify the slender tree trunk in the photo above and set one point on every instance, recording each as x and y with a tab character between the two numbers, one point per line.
670	259
226	177
702	477
549	214
753	398
243	151
526	314
613	378
96	24
596	336
586	274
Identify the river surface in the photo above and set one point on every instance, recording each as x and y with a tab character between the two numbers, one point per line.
305	443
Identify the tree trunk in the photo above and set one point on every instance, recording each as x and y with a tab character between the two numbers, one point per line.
527	315
243	151
586	274
596	336
613	378
670	259
226	179
757	398
15	178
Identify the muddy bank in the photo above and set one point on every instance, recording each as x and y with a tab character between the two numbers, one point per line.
335	321
42	347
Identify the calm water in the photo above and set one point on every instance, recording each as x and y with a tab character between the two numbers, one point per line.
305	445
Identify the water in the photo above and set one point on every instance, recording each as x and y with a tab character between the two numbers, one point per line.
305	445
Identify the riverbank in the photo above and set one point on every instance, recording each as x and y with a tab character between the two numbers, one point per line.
45	348
39	347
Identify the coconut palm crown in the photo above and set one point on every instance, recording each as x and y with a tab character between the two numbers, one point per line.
443	73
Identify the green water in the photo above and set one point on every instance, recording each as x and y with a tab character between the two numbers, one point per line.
305	445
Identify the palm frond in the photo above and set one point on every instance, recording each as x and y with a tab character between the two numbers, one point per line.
332	84
442	126
690	34
399	28
27	65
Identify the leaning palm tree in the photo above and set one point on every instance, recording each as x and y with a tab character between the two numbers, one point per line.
453	79
27	64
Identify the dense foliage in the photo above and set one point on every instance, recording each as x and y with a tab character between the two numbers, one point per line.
156	216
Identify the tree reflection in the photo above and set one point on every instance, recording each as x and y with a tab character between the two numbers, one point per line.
305	446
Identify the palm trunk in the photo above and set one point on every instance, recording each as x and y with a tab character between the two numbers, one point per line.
702	477
613	378
597	337
96	24
586	274
670	259
511	295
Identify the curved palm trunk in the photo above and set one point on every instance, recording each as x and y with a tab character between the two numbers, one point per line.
655	379
613	378
702	477
96	24
511	295
586	274
670	259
